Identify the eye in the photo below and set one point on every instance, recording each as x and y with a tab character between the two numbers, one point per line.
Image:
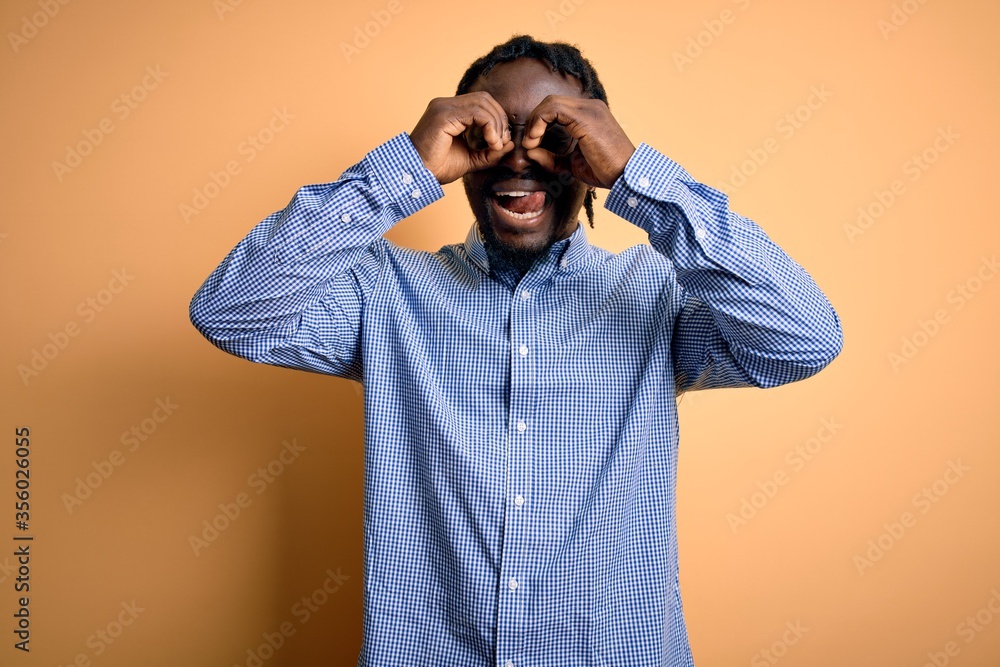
558	140
474	138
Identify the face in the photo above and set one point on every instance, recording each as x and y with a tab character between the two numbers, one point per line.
521	228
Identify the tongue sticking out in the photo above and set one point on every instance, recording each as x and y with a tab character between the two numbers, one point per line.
531	203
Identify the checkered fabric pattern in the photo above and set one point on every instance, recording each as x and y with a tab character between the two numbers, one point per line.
521	436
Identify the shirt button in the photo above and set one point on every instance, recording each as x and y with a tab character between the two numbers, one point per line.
633	202
346	217
563	262
509	663
523	350
512	584
407	179
701	233
415	194
521	426
643	182
519	500
525	295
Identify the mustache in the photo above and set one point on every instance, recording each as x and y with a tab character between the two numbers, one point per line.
531	174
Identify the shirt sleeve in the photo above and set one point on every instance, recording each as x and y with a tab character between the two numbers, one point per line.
292	292
746	313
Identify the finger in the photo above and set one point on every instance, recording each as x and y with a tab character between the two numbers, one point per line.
543	157
491	117
469	110
494	157
552	109
490	157
492	135
500	114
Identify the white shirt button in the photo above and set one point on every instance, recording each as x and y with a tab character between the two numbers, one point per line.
521	426
519	500
563	262
509	663
512	584
701	233
525	295
643	182
415	194
407	179
633	202
523	350
346	217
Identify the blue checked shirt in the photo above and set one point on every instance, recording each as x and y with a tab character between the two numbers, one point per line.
520	434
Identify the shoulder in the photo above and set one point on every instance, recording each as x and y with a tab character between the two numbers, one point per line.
636	277
450	263
640	260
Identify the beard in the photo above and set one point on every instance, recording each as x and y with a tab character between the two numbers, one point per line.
520	257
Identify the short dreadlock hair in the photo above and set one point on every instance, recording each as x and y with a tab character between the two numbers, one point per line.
561	57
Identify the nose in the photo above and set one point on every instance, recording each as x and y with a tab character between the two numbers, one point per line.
517	159
516	132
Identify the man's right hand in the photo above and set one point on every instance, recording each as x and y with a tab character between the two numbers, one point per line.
438	136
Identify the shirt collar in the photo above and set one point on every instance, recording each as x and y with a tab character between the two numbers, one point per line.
568	254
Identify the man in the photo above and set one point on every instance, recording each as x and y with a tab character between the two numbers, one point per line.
520	388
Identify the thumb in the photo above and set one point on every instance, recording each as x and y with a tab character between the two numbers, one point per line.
543	157
489	157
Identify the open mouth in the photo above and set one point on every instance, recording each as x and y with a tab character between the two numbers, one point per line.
520	206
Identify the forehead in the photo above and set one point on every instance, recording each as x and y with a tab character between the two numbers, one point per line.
519	85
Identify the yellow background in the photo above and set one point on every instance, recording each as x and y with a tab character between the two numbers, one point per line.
227	67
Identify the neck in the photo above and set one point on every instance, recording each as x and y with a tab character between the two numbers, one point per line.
504	261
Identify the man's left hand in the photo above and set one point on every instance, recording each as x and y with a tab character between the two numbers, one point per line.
602	150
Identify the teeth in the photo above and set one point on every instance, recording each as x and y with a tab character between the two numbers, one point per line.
514	214
521	216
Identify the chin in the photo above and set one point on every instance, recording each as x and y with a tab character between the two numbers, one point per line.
516	227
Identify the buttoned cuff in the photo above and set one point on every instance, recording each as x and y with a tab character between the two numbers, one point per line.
389	184
648	181
403	176
683	217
